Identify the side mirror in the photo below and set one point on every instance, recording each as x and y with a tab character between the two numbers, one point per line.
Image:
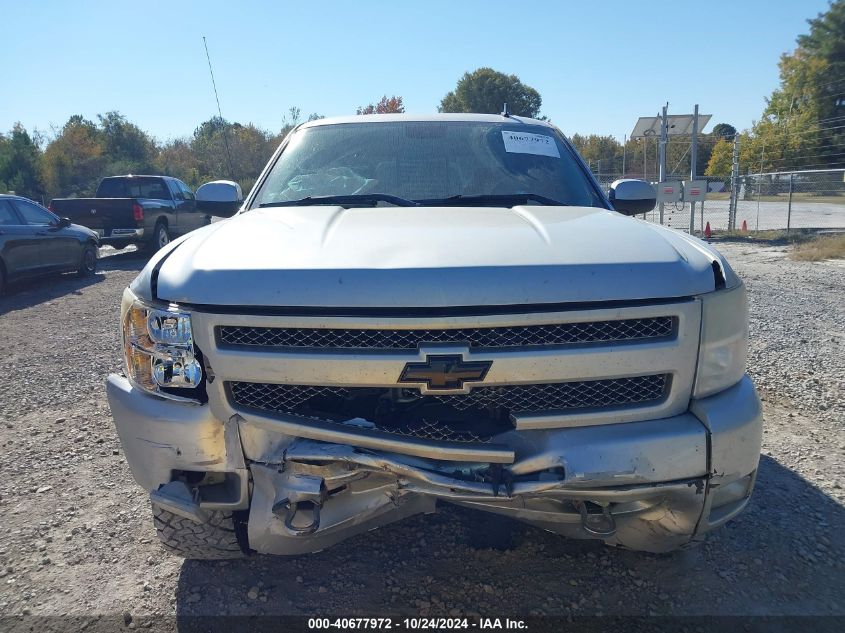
222	198
631	196
64	222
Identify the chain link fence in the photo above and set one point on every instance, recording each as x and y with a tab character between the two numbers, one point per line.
791	200
779	201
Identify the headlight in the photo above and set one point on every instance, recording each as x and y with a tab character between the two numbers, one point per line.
158	347
724	341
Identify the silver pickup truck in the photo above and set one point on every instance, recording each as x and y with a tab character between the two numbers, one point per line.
412	310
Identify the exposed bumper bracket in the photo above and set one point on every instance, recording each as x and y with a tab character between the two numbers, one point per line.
596	523
177	498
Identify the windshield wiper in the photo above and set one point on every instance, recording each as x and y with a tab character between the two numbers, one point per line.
503	199
344	201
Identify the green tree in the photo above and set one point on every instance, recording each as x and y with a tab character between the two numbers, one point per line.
487	91
251	149
20	164
826	40
724	130
801	124
215	140
127	148
392	105
211	147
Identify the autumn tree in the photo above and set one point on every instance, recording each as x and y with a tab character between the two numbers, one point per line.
487	91
721	159
176	158
602	153
386	105
73	161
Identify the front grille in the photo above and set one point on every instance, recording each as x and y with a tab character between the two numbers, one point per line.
590	394
483	337
475	416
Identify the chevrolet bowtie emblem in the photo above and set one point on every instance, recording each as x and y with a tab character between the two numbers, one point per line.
445	372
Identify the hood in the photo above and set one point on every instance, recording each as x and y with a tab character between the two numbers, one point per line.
394	257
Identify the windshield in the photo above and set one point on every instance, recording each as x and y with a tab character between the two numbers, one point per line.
428	160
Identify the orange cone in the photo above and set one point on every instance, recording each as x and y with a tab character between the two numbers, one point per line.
744	226
707	232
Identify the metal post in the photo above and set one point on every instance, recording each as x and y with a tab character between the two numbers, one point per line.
760	186
645	158
624	148
734	186
693	166
701	218
661	155
789	206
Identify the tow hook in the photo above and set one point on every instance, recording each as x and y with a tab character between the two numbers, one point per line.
596	519
287	509
303	492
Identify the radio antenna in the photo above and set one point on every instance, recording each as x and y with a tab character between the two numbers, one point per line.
219	111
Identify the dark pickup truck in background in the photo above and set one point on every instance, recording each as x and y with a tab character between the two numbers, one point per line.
145	210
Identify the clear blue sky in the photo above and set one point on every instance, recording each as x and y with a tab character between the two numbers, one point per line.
598	65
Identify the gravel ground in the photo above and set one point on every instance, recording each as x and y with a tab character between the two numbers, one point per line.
77	536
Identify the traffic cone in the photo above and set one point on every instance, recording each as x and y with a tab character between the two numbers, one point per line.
744	226
707	232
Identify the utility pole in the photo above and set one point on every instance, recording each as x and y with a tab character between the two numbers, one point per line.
661	153
693	165
734	186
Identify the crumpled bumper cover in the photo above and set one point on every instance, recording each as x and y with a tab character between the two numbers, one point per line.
664	482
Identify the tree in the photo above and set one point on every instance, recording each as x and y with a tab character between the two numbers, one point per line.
20	164
724	130
289	124
392	105
602	153
176	158
127	148
487	91
721	159
73	161
801	124
826	40
215	140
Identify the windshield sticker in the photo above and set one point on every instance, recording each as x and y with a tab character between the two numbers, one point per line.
525	143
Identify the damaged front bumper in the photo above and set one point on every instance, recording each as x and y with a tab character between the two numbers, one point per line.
653	485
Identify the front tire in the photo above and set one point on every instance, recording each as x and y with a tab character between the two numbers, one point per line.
217	539
88	263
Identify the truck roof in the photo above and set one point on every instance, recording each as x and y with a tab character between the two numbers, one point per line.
461	116
139	176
